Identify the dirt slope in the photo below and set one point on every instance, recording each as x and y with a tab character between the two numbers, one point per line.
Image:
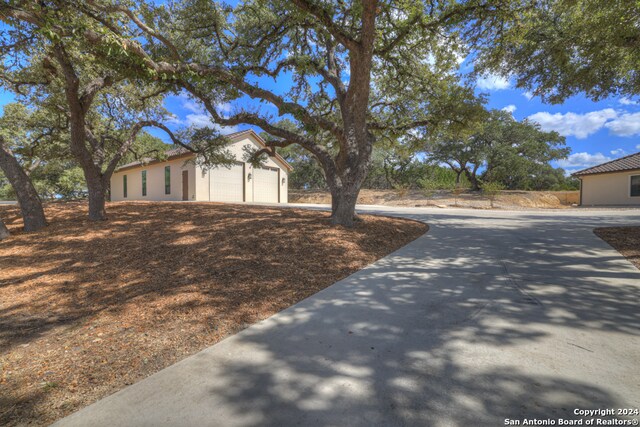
506	200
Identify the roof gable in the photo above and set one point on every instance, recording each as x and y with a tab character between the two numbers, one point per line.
233	137
626	163
261	143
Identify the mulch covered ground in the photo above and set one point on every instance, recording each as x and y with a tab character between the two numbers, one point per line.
88	308
625	240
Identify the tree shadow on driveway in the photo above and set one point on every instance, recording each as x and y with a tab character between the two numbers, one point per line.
478	321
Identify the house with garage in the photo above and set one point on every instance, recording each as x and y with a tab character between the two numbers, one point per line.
180	178
614	183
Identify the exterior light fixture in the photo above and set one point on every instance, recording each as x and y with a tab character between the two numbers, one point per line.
249	177
283	181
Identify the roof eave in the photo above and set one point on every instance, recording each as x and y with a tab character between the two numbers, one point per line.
235	135
153	162
580	173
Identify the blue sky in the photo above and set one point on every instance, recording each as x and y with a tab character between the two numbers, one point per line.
595	131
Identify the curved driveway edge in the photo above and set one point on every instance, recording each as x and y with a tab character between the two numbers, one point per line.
491	315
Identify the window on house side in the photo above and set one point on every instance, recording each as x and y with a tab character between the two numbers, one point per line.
124	186
635	186
144	183
167	180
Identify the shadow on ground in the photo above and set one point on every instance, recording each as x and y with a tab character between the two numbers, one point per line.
483	319
87	308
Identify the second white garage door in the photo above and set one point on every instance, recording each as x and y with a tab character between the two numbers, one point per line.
265	185
226	185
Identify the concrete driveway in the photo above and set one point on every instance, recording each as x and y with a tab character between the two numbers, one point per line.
490	316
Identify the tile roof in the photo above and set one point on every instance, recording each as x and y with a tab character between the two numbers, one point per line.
630	162
179	151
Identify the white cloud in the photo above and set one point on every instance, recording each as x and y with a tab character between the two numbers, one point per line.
192	106
173	119
199	118
204	120
583	160
618	152
510	108
627	101
528	95
493	82
227	130
638	147
627	124
572	124
225	108
189	103
619	123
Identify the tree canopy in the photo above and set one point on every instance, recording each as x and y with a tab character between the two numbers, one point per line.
51	67
343	89
560	48
40	145
497	147
355	73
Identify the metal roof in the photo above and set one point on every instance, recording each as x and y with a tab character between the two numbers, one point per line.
630	162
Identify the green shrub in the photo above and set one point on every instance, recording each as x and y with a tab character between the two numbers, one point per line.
429	187
492	190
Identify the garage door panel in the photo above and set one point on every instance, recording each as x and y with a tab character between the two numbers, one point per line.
265	185
227	184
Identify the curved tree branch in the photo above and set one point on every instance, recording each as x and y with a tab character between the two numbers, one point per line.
175	54
322	15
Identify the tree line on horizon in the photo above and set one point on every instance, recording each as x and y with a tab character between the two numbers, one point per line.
513	154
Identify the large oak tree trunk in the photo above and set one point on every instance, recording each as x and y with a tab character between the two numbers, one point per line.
345	185
343	205
458	174
351	165
97	195
4	232
79	101
30	204
92	172
473	179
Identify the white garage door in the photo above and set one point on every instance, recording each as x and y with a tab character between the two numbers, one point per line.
227	184
265	185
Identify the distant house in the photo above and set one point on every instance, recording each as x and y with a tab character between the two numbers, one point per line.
177	178
613	183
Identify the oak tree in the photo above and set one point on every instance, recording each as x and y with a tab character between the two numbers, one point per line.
49	66
496	145
346	73
16	136
561	48
4	231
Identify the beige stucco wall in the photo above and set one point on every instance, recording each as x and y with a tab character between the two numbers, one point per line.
202	184
608	189
155	182
198	178
236	148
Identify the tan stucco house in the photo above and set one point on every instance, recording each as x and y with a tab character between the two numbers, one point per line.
615	183
178	178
